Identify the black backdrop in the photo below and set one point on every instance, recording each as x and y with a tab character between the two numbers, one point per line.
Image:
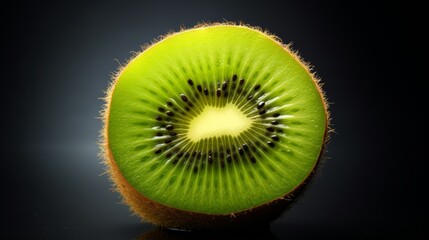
58	58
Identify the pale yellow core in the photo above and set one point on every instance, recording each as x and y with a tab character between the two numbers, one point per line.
218	121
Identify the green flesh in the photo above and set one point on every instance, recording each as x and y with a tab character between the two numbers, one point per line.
197	175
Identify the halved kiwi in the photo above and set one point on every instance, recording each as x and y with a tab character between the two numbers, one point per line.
215	126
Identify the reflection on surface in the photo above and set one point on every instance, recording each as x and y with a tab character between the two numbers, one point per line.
167	234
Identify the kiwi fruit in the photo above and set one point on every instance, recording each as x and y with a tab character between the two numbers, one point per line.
218	126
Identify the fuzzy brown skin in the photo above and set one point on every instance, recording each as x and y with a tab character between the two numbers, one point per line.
169	217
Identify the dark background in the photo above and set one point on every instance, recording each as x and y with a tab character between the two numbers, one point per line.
57	61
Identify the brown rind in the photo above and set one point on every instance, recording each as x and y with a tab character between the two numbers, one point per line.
169	217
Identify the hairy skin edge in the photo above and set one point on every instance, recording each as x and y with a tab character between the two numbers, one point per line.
169	217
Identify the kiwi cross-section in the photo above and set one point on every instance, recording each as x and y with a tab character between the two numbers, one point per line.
215	126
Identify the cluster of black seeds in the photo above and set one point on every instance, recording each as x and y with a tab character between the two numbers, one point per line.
192	100
246	153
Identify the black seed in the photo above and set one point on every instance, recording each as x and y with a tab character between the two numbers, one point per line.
184	98
261	105
206	92
190	104
252	159
228	158
158	151
245	147
210	159
187	154
190	82
224	86
233	86
250	97
197	95
240	151
275	138
257	87
279	130
161	109
169	127
241	81
175	161
168	140
180	154
187	109
225	94
194	154
274	122
270	129
170	104
239	90
221	154
218	92
159	118
228	151
168	155
262	112
271	144
170	113
234	77
200	89
222	164
159	134
276	114
195	169
176	109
